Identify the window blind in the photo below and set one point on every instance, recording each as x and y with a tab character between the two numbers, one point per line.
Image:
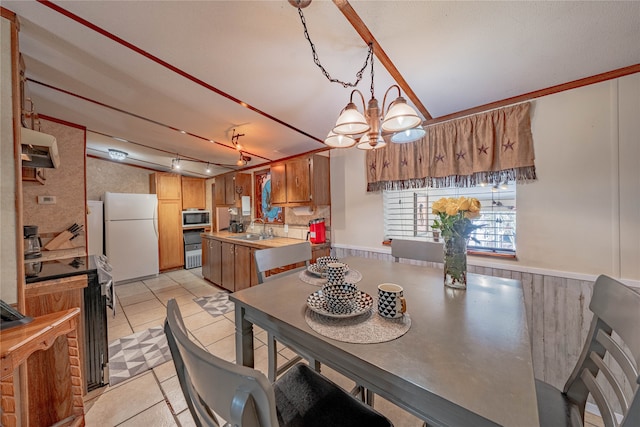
407	215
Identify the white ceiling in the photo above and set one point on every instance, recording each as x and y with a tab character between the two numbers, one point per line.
453	55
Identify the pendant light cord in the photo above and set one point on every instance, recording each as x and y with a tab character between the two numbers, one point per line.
316	60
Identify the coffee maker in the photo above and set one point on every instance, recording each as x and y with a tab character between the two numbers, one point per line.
32	242
317	231
32	250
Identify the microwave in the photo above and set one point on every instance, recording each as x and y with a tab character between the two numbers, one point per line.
196	218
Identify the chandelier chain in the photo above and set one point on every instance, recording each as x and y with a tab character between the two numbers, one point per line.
316	60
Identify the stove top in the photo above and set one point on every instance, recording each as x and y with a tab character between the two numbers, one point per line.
59	268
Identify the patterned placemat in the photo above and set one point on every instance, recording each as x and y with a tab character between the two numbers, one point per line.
137	353
215	305
352	276
367	328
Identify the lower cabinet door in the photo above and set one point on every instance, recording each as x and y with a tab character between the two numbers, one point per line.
243	267
228	266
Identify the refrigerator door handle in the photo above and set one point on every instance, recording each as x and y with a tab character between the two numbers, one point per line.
155	222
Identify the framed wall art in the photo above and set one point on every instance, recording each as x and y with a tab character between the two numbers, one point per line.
262	197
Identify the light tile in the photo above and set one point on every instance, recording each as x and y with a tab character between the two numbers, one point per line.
165	371
118	331
158	415
136	298
125	401
199	320
173	393
215	332
150	324
185	419
140	317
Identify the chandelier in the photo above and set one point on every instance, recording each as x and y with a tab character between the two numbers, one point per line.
365	130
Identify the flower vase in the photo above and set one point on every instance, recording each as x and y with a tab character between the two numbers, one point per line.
455	262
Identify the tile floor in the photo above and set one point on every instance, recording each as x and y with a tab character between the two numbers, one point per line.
154	398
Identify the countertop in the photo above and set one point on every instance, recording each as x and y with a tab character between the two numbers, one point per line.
276	242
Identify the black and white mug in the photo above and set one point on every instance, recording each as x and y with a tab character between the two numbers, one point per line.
391	302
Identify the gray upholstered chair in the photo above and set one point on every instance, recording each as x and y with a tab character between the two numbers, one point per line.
616	320
419	250
243	397
270	259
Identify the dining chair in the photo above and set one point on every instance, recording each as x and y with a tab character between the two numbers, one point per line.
243	397
419	250
270	259
614	332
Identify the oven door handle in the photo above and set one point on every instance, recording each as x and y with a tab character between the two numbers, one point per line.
109	291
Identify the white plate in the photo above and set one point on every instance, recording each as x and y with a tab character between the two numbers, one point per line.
317	271
317	303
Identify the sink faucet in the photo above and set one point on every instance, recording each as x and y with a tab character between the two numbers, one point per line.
264	225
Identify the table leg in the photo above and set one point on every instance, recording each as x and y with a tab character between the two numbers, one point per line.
244	339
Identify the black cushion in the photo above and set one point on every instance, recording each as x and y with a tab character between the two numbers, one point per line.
554	409
305	398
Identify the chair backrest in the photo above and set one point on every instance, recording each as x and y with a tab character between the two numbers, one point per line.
616	310
268	259
419	250
240	395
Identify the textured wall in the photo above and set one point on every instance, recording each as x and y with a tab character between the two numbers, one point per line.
66	183
106	176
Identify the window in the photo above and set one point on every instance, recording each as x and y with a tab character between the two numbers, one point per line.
407	214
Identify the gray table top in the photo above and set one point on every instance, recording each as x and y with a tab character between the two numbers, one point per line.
466	359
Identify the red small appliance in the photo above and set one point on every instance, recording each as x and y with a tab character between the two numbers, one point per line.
317	231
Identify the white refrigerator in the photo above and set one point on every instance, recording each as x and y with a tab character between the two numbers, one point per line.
131	235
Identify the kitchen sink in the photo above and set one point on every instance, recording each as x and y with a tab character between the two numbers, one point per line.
252	237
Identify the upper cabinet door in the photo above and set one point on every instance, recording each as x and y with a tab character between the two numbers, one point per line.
298	182
278	184
193	193
168	186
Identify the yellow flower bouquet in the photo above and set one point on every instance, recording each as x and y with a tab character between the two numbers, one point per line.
453	219
454	216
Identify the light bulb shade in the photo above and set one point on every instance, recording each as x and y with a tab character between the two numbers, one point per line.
400	116
408	135
365	143
339	141
351	121
117	154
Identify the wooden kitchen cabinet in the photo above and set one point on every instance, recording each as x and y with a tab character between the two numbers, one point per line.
212	260
230	266
193	193
49	376
230	187
168	186
170	242
278	184
306	182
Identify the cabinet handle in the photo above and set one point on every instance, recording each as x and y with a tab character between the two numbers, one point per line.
297	184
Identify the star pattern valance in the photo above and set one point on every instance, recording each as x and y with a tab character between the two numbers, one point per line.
489	147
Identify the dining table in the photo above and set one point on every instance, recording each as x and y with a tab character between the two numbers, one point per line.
465	359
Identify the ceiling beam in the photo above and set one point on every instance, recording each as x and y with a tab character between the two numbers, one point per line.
366	35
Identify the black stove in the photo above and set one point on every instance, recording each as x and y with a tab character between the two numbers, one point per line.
59	268
98	295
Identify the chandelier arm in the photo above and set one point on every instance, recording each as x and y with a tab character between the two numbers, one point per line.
384	100
364	108
316	59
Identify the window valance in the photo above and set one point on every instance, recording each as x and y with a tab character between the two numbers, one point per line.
489	147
